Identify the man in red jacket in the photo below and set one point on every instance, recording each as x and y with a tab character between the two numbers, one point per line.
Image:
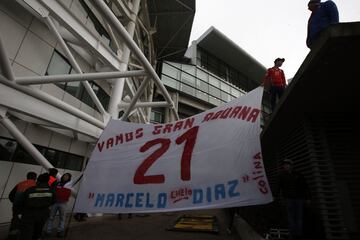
275	80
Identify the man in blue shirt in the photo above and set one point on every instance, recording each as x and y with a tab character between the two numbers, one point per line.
323	14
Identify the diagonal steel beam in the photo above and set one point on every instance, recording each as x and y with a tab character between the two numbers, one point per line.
114	22
77	77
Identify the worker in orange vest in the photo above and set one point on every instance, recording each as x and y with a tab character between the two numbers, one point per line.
53	179
14	196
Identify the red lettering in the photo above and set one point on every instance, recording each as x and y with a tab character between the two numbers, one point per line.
217	114
226	113
253	115
208	117
244	112
100	146
119	139
263	189
257	164
109	143
257	156
178	125
139	133
189	138
157	129
167	128
189	123
235	111
128	137
139	177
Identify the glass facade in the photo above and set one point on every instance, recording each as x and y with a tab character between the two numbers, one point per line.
11	151
59	65
224	71
198	82
157	116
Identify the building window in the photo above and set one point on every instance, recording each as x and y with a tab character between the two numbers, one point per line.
60	65
157	117
7	149
10	150
72	161
170	82
103	97
22	156
171	71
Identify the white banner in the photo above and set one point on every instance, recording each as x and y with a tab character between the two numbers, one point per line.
210	160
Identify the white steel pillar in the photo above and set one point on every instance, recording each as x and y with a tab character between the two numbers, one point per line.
118	84
135	98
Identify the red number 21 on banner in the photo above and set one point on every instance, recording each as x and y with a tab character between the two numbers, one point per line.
189	137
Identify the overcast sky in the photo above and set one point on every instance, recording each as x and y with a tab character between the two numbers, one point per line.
266	29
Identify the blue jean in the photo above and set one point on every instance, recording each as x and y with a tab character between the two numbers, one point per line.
295	211
57	207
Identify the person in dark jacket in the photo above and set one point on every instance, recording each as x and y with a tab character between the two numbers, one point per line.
14	197
294	190
322	15
34	208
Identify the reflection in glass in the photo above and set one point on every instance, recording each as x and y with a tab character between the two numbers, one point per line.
203	96
187	89
202	85
215	92
58	65
188	79
170	82
214	81
190	69
7	149
205	86
202	75
171	71
73	88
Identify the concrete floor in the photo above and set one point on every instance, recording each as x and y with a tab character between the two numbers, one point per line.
142	227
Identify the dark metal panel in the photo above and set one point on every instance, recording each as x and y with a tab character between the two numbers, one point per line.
314	125
172	20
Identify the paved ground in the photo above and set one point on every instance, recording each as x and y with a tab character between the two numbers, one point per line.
139	227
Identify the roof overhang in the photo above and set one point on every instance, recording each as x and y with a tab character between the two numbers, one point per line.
325	82
172	20
216	43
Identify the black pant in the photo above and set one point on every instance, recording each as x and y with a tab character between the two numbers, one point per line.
15	221
32	224
276	92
